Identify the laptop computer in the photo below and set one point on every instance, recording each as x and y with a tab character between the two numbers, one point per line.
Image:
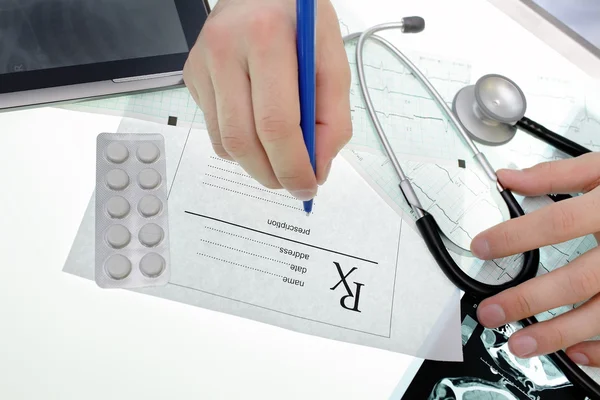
571	27
56	51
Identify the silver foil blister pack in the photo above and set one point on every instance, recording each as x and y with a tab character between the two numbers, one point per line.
132	232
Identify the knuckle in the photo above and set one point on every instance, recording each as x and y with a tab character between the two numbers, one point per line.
213	30
346	134
523	306
510	237
266	23
273	128
563	220
346	75
556	339
272	184
233	142
547	169
289	180
217	41
220	151
584	284
212	126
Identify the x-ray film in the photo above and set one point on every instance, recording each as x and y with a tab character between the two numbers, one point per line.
489	371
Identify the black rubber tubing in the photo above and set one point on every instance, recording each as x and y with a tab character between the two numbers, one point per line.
431	234
553	139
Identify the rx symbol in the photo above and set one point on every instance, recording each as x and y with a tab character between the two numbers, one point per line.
343	281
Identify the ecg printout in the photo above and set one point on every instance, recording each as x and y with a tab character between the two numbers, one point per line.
403	105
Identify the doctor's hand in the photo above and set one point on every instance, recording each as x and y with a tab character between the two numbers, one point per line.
575	282
242	73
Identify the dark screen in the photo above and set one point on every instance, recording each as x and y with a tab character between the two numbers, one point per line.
581	16
43	34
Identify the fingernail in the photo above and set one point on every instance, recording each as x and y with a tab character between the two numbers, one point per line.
512	169
304	195
523	346
491	316
480	247
579	358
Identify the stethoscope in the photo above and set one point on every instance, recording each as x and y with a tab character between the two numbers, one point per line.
489	112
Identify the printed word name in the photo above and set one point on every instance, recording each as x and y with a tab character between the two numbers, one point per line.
296	282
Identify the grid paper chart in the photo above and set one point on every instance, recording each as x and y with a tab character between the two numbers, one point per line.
152	106
413	121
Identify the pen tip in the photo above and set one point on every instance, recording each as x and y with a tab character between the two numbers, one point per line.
307	213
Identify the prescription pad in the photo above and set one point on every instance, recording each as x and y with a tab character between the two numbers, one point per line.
351	271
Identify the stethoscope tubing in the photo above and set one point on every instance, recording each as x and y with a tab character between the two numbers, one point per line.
425	222
427	225
555	140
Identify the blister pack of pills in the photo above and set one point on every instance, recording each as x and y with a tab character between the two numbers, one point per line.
132	232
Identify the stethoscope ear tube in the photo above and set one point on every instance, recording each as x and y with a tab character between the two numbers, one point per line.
430	231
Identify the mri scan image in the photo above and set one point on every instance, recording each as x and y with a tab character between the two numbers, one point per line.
489	370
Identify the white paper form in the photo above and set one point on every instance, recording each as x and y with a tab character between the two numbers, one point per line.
251	251
246	244
352	271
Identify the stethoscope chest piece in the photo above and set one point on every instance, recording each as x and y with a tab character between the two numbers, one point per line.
489	110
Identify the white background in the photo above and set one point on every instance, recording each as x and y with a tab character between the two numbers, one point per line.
61	337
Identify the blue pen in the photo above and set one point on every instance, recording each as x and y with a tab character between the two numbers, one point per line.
306	17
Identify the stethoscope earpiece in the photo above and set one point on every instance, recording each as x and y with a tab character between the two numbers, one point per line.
489	110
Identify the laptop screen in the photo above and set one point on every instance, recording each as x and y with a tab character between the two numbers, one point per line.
580	16
46	34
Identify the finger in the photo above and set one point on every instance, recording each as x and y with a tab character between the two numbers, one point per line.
585	353
574	175
235	116
236	121
558	333
553	224
333	80
197	79
575	282
274	83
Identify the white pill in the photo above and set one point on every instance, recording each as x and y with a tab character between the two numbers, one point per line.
117	179
148	153
152	265
117	207
150	235
149	179
149	206
118	236
117	153
118	266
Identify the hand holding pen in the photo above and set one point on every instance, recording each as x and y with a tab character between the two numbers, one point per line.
243	74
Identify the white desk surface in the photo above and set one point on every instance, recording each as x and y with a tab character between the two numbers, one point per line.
61	337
